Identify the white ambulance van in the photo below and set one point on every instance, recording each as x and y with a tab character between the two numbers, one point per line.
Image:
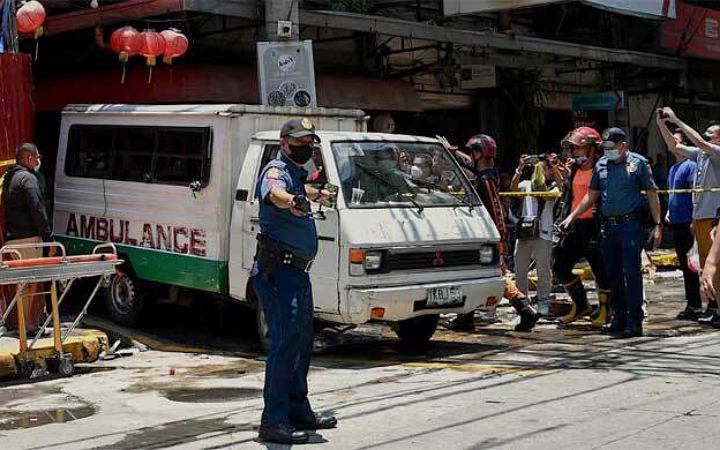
174	188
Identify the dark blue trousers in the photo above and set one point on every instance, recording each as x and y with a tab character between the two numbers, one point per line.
621	247
286	297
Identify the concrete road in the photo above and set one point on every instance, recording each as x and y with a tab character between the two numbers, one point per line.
553	388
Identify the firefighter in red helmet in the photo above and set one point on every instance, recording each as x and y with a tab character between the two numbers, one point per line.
482	150
581	240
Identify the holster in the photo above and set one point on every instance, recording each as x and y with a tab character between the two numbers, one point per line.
272	254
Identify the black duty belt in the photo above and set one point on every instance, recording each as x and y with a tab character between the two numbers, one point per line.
621	219
273	252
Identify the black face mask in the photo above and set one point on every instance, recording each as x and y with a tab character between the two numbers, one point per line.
300	153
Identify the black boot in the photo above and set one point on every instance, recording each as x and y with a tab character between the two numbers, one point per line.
615	327
282	434
707	316
463	322
528	315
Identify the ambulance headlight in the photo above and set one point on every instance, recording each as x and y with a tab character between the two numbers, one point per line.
487	254
373	260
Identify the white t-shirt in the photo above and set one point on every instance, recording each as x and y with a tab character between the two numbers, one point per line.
530	209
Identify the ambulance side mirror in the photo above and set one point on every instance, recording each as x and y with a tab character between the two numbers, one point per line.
195	187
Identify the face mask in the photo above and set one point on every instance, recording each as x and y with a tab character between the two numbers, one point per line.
386	165
300	153
36	169
310	166
416	172
580	160
613	154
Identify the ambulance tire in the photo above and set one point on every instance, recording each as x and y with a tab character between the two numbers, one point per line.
418	330
125	299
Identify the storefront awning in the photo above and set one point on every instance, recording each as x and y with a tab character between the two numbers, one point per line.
213	84
652	9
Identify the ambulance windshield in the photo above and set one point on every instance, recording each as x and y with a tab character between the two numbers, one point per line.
400	174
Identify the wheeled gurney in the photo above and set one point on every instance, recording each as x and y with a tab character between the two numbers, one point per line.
102	263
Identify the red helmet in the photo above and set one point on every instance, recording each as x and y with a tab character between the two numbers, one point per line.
581	136
482	143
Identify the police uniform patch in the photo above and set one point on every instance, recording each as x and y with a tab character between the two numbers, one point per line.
631	167
274	173
306	124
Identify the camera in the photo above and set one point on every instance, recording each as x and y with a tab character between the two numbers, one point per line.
534	159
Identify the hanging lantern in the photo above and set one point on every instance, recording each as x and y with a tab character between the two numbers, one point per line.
125	42
176	44
152	45
30	18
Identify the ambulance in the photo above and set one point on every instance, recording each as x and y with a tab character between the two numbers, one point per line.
174	187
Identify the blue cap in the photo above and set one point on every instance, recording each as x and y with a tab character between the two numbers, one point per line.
612	136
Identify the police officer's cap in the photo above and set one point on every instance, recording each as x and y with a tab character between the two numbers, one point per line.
612	136
297	128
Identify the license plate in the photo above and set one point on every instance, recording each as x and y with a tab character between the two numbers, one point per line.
444	296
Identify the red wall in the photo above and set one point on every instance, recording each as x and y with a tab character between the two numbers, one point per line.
16	104
695	32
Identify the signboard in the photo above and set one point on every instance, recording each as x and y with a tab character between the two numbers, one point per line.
599	101
476	76
646	8
695	32
287	73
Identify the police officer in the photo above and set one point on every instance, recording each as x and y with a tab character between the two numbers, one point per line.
286	247
617	181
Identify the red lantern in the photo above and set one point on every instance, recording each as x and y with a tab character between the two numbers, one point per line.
30	18
125	42
176	44
152	45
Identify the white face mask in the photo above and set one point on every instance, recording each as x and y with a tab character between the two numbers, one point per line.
613	154
581	160
36	169
416	172
310	166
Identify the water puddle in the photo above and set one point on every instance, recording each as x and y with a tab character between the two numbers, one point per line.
209	395
13	420
225	370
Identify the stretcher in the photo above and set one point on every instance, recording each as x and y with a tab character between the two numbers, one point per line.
14	270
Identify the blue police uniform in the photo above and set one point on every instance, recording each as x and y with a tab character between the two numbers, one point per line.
623	236
286	296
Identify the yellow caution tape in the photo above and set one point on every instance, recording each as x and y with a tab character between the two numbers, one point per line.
7	162
550	194
556	194
689	191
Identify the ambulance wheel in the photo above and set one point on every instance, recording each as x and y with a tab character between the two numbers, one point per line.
263	329
418	330
66	367
124	299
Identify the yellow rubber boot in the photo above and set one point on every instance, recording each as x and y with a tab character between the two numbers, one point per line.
603	316
580	306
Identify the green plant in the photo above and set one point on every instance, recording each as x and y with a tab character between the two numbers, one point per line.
527	94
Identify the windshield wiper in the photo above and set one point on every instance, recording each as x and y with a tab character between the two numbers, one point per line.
428	184
408	196
467	202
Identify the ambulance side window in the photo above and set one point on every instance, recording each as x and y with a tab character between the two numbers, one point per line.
270	152
147	154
